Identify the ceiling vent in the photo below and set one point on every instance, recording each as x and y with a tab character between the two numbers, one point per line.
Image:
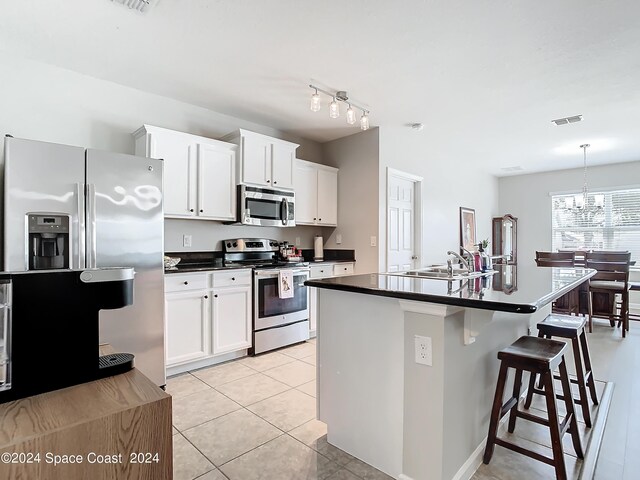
566	120
139	5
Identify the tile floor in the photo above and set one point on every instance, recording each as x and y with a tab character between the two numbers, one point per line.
254	418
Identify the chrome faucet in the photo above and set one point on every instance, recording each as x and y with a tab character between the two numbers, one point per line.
463	261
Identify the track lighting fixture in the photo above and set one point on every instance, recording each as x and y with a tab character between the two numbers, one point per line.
334	106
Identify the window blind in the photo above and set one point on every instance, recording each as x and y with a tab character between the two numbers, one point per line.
610	221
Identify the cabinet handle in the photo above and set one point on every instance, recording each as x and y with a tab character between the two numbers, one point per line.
314	219
201	210
345	268
216	295
206	296
268	181
320	219
191	209
274	182
233	278
186	283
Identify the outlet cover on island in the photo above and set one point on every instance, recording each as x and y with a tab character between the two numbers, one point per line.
297	241
424	352
374	241
186	240
338	238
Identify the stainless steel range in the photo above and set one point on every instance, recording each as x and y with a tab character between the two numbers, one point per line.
278	320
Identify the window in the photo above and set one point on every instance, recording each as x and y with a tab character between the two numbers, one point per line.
610	221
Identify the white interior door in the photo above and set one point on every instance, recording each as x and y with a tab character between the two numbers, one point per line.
401	251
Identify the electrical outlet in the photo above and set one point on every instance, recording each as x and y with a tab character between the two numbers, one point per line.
424	352
297	241
374	241
186	240
338	238
529	331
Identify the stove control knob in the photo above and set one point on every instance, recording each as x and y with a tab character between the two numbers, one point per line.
235	244
229	244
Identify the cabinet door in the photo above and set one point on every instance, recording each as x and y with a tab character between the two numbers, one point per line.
179	155
231	319
327	197
256	160
187	317
305	184
282	166
216	183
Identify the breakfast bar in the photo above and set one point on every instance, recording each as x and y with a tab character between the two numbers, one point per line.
407	365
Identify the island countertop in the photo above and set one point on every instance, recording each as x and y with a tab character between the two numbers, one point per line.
511	288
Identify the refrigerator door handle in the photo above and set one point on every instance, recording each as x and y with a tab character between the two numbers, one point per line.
91	226
80	256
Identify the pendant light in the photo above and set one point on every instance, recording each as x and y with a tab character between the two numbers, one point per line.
334	109
364	121
315	102
351	115
582	201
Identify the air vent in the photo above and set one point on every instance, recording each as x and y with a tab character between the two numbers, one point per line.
516	168
139	5
566	120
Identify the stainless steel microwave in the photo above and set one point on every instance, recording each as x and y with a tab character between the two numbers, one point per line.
264	206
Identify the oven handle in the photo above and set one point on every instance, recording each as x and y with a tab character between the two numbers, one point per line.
274	273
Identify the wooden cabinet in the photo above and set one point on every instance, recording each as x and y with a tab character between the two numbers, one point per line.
199	173
263	160
316	188
324	270
208	316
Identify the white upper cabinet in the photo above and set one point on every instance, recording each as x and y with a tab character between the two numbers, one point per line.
263	160
199	172
316	188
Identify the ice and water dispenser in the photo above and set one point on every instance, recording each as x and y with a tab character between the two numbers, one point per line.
48	241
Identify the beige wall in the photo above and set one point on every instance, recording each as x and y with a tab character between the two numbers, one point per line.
47	103
357	158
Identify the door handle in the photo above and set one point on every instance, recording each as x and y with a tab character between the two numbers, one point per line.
91	226
414	257
80	257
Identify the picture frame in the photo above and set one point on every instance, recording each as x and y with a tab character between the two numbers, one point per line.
468	234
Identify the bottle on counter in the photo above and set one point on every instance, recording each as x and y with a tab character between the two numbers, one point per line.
477	261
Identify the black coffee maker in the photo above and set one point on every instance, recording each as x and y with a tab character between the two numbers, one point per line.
49	336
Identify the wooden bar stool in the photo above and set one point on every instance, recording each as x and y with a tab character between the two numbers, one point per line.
537	356
572	328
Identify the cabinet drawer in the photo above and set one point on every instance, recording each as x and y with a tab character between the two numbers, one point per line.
178	283
321	271
342	269
231	278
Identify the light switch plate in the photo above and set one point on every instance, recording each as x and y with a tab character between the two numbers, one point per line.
338	238
186	240
374	241
297	241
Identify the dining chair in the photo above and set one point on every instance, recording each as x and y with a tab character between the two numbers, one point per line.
612	278
568	303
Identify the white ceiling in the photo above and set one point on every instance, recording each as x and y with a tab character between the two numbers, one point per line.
485	77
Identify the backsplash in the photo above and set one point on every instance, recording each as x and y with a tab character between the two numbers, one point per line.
208	236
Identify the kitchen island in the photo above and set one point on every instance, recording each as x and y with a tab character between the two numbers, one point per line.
422	420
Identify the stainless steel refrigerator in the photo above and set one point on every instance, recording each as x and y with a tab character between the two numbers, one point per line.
71	207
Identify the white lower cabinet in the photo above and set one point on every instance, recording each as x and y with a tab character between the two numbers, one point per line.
187	326
208	317
229	334
324	270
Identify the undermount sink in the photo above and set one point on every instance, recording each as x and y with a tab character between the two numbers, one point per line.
440	273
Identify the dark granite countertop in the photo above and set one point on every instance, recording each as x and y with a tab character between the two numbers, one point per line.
202	268
511	289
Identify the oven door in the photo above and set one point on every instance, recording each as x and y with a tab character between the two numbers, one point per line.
269	309
266	207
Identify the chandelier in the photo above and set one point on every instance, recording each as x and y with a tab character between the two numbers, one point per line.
334	107
581	201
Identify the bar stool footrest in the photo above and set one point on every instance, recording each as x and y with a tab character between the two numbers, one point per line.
524	451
